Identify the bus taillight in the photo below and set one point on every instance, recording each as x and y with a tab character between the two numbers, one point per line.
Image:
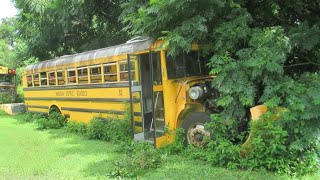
11	71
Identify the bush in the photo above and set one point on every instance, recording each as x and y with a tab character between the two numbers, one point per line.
117	129
271	148
78	128
177	146
2	113
110	129
32	117
6	98
54	121
142	157
96	129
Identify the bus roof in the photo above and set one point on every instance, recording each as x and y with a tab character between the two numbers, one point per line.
131	46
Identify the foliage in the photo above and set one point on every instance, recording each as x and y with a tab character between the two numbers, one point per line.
68	27
113	129
6	98
77	128
262	52
177	146
2	113
32	117
118	129
142	158
54	121
96	129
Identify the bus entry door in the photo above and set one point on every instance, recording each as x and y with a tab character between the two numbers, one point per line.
140	102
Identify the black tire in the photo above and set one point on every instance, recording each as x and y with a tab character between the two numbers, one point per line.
193	134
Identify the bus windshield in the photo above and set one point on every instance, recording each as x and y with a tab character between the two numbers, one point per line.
6	79
186	65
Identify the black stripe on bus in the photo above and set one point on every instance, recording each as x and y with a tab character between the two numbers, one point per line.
79	86
35	106
83	99
97	111
138	124
92	110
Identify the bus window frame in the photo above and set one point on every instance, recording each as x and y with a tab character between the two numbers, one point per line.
63	77
132	70
36	79
55	78
41	79
82	76
110	74
95	75
74	77
30	80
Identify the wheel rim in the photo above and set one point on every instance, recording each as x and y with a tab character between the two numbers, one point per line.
196	135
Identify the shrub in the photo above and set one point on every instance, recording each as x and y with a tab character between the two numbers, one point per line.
32	117
96	129
143	157
78	128
6	98
111	129
177	146
271	148
2	113
117	129
54	121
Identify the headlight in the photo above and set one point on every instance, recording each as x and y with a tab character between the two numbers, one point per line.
195	92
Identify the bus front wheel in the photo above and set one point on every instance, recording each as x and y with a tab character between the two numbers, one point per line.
194	129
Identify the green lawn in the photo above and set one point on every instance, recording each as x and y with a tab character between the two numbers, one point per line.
28	153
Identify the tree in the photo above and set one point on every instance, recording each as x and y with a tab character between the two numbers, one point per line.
8	43
262	52
59	27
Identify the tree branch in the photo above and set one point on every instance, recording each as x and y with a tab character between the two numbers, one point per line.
302	64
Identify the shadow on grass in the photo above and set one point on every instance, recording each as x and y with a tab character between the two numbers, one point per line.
80	145
99	169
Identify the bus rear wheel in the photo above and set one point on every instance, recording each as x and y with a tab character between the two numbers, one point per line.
54	109
195	132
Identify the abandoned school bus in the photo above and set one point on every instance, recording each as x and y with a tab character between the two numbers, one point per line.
8	89
160	91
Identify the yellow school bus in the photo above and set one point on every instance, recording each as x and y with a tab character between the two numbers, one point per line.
8	89
161	91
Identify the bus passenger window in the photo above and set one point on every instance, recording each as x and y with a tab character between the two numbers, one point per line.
29	80
52	78
36	80
83	75
95	74
44	80
71	76
124	76
61	77
110	72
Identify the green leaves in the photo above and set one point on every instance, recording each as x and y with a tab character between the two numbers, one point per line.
58	27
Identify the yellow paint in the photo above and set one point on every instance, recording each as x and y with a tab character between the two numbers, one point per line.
3	70
256	113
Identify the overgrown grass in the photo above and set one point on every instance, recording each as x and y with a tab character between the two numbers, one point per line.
52	154
58	153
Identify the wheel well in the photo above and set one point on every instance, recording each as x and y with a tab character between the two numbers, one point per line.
54	108
187	111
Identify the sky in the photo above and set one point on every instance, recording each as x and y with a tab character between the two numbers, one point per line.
7	9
